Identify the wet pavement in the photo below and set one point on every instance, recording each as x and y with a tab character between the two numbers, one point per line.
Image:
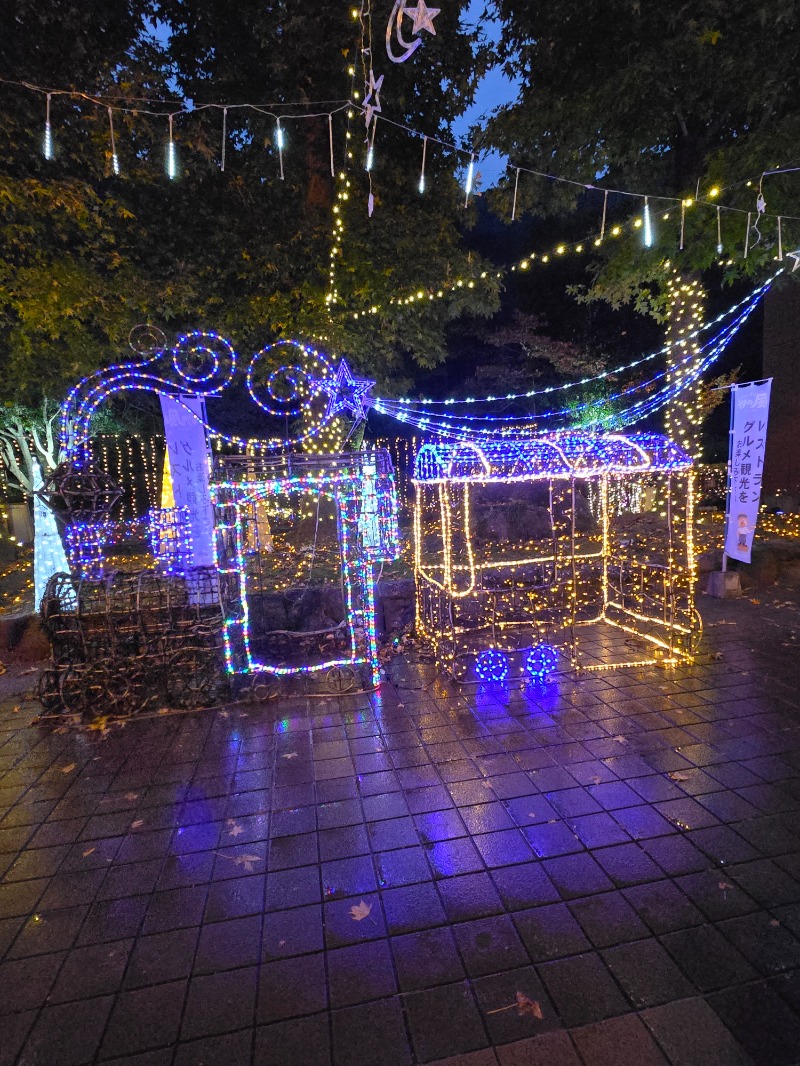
601	872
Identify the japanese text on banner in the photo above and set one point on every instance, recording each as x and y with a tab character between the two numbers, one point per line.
746	466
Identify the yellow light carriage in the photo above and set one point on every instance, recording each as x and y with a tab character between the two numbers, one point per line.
575	547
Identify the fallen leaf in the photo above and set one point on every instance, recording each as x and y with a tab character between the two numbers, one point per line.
360	911
99	725
131	797
88	852
235	829
528	1006
137	824
223	714
620	740
15	710
678	776
289	755
774	922
68	769
524	1005
246	862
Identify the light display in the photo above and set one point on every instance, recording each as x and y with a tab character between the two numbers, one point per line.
683	416
86	548
169	532
48	551
513	568
541	661
250	491
688	359
361	485
491	665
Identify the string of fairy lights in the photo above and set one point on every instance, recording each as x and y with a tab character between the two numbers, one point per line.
655	208
687	361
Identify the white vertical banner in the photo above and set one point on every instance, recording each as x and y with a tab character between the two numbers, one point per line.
748	438
185	433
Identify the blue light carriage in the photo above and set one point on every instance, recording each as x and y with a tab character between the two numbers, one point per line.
572	550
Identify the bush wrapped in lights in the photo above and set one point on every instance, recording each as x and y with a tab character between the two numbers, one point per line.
569	550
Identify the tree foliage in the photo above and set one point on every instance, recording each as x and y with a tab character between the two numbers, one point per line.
671	99
85	254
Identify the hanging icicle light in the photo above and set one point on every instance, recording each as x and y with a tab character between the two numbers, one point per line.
47	146
114	156
370	158
470	176
172	158
422	172
648	225
279	141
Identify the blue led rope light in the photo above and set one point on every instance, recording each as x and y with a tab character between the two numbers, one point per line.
84	399
455	427
390	407
423	402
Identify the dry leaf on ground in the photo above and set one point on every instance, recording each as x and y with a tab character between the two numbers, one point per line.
524	1005
247	862
360	911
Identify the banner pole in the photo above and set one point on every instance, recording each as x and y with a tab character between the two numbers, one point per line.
728	485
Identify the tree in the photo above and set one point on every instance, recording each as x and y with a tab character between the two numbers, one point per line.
690	101
85	253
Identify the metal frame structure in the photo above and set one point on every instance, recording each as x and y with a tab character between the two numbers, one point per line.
361	487
618	590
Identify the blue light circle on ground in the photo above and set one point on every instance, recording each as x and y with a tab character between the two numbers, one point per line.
491	666
541	661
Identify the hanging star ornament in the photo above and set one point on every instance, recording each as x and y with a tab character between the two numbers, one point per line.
423	17
796	256
345	392
372	98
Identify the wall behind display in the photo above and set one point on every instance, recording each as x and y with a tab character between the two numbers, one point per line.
781	363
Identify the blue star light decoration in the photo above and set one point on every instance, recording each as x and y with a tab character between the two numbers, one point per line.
346	394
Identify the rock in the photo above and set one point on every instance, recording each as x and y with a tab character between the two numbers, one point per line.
23	639
492	525
709	560
724	585
396	605
529	522
331	602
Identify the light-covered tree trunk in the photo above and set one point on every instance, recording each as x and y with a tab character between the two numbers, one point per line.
684	413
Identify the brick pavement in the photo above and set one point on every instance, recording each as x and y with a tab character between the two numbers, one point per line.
602	872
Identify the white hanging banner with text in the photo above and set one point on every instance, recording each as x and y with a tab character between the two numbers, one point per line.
188	459
749	415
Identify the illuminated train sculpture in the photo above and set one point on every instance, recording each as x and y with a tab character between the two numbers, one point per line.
221	591
574	550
